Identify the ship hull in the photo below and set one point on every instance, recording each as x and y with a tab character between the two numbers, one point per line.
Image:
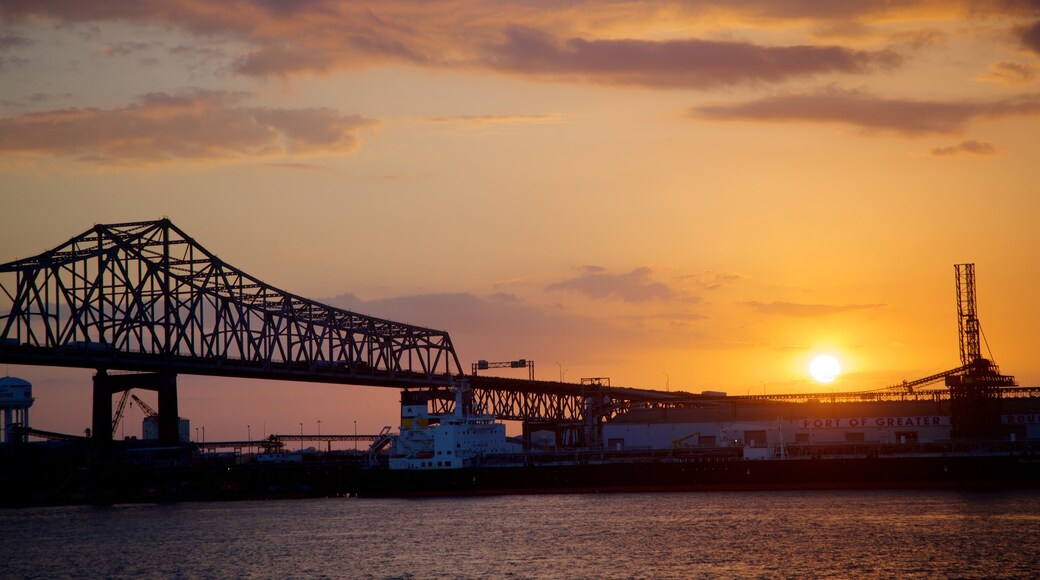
992	471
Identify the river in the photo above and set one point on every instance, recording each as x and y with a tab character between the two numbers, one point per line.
818	534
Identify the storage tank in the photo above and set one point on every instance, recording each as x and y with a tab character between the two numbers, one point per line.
15	400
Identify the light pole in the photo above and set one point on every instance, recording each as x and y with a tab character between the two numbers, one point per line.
355	435
301	437
563	372
249	439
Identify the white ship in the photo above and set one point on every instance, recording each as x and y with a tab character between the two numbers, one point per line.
446	441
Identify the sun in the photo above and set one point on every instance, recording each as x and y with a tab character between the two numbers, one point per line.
824	368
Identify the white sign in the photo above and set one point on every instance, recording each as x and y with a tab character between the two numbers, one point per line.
876	422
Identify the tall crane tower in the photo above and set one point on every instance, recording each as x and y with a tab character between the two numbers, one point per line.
975	393
967	318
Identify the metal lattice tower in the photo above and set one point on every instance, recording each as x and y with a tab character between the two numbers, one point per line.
967	318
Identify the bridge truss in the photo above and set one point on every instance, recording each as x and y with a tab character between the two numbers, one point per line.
145	296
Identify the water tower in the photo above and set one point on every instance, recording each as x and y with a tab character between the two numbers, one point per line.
15	400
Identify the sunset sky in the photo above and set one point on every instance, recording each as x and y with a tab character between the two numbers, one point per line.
685	195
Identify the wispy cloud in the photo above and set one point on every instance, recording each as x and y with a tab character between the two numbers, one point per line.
805	310
1009	73
480	121
296	166
635	286
902	116
125	48
713	279
970	147
198	125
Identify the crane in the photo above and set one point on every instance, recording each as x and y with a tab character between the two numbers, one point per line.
120	407
974	368
148	411
975	406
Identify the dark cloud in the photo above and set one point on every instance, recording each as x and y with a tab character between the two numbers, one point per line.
1030	37
673	63
805	310
635	286
9	41
199	125
971	147
903	116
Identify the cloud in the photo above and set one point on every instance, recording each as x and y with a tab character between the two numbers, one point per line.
296	166
972	147
673	63
34	99
635	286
902	116
481	121
805	310
574	41
198	126
1030	37
9	41
713	279
1009	73
125	48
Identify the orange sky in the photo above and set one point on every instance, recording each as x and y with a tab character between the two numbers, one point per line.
687	195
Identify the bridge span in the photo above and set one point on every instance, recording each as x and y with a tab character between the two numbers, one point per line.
146	298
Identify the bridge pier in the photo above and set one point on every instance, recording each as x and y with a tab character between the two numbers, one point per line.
169	416
101	422
106	385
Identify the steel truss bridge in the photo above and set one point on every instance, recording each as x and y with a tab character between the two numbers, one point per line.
143	302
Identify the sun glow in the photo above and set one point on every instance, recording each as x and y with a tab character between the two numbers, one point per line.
824	368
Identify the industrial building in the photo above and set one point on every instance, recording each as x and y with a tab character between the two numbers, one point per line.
773	425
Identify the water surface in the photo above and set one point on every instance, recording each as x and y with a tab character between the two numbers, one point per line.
838	534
